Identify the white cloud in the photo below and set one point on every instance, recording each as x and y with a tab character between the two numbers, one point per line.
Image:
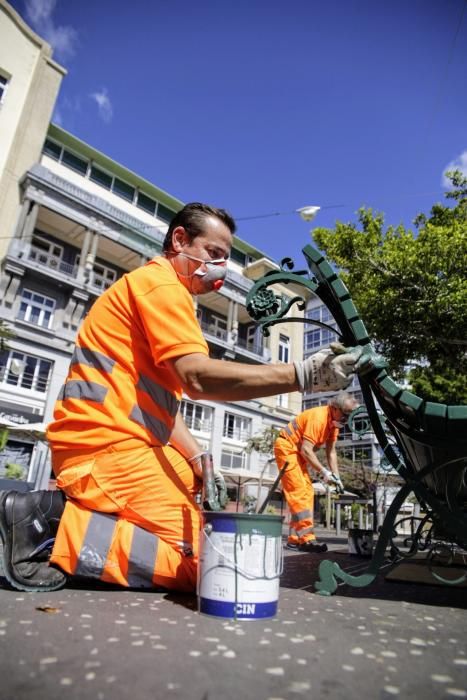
63	39
459	163
104	105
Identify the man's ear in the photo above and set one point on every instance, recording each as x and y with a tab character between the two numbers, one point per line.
179	239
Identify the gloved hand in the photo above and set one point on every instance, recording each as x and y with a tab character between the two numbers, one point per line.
338	484
331	479
221	487
214	488
326	476
331	369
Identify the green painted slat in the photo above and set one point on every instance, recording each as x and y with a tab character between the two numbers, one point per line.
326	271
457	422
360	332
411	406
340	289
434	417
313	254
350	312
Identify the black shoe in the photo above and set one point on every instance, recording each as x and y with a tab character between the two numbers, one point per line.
313	547
292	545
28	525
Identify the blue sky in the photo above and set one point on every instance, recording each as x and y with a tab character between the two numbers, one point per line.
267	106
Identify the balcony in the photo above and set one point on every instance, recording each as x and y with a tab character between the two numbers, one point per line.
36	258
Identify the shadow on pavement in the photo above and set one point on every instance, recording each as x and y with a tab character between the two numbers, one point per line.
301	572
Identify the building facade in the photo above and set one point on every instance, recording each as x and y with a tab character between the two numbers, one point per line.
76	221
360	450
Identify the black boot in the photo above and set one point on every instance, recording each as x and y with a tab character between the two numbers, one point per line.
28	525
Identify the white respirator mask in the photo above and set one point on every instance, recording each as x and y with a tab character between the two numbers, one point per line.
210	279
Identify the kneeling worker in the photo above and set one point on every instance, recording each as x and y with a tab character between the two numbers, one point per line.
297	446
127	467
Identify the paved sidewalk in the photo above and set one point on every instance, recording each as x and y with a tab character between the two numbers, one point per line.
385	641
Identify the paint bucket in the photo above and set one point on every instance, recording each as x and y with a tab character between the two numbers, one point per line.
240	564
360	542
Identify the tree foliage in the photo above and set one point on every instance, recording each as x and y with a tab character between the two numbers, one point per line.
6	334
263	442
411	290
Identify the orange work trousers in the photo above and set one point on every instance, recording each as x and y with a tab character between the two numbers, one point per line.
130	517
299	494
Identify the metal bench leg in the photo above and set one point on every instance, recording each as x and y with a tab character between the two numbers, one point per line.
330	572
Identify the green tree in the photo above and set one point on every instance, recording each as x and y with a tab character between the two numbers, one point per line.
5	335
411	291
263	442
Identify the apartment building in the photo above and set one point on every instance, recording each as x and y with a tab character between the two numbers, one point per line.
77	220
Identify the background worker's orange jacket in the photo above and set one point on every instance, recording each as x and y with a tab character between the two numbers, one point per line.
315	425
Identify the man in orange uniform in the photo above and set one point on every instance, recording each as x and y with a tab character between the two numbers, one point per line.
297	447
121	452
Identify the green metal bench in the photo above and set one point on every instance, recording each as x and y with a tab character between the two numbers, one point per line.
426	443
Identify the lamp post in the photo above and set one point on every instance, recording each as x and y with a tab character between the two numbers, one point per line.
308	213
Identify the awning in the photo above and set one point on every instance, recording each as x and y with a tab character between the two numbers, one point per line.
240	477
35	430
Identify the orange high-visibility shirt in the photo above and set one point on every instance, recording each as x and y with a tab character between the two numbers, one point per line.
118	386
314	424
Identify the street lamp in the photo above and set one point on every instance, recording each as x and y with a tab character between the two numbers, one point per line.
308	213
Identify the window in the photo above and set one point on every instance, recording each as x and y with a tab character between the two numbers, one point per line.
217	326
122	189
36	308
236	427
74	162
3	87
318	337
52	149
100	177
358	454
231	459
45	252
284	348
312	403
282	400
196	417
165	214
24	371
146	203
102	277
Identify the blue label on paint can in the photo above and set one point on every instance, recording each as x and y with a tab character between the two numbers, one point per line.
237	611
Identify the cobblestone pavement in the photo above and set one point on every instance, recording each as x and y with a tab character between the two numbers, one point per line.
388	640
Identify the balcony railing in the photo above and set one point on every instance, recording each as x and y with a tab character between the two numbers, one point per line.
52	262
256	348
213	330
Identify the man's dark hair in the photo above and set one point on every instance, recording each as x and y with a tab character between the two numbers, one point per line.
192	218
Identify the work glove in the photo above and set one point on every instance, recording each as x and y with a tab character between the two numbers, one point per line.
331	479
338	484
331	369
221	488
326	476
214	489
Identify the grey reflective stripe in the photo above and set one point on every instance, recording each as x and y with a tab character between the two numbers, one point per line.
61	393
159	395
305	531
96	545
80	389
142	558
301	515
155	426
92	358
295	425
288	430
